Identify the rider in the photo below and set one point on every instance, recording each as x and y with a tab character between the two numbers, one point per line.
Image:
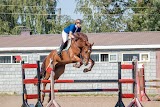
69	31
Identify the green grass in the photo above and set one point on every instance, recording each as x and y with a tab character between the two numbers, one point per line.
8	93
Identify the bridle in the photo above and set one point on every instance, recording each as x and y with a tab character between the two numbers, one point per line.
81	48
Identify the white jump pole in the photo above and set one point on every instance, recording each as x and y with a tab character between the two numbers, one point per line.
52	102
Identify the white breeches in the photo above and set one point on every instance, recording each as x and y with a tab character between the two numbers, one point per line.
64	36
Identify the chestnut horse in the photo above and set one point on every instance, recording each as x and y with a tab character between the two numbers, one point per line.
79	53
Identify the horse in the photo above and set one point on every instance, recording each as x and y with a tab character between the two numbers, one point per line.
78	53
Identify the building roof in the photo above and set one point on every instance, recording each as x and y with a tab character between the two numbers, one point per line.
101	40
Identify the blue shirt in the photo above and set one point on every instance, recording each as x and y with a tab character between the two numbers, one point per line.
72	28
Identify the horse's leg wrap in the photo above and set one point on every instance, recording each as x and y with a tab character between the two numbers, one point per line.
91	66
77	65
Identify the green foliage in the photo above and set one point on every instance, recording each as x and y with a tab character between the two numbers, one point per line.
103	15
119	15
33	14
5	28
154	20
146	18
93	16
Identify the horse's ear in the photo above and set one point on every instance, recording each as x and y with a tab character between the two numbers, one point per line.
87	43
92	44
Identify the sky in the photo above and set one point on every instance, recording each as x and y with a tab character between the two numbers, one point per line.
68	8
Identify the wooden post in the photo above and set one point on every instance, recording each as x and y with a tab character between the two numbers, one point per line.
135	102
52	102
120	102
141	76
25	102
39	103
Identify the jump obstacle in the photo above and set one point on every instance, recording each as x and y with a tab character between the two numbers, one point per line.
141	82
53	103
25	81
135	102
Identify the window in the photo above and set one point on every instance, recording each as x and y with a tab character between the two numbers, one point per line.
144	57
112	57
5	59
95	57
104	57
42	57
99	57
24	58
129	57
12	59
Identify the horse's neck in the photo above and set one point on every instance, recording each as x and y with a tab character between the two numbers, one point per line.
75	48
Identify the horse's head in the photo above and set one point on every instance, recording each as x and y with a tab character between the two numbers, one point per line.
81	41
86	52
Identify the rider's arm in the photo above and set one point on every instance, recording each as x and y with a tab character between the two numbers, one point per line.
71	35
71	31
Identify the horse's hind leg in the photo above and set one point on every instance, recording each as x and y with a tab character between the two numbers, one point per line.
44	85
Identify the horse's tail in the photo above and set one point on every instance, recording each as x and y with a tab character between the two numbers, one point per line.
43	70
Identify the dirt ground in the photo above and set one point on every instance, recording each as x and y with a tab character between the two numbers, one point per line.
75	101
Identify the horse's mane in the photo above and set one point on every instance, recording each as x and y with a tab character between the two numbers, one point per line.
81	35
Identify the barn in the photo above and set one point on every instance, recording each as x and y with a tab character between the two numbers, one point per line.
109	48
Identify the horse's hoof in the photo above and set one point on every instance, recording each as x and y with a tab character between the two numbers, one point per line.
85	70
76	66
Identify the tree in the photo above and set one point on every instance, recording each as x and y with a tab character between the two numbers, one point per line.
93	17
120	15
146	16
4	29
103	15
30	13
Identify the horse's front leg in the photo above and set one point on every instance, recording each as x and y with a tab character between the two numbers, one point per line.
91	66
78	64
77	61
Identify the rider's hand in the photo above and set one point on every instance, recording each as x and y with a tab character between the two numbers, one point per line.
71	36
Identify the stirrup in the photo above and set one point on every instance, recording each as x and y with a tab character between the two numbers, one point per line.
59	53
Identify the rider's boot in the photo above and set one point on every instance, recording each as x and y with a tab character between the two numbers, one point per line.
60	50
